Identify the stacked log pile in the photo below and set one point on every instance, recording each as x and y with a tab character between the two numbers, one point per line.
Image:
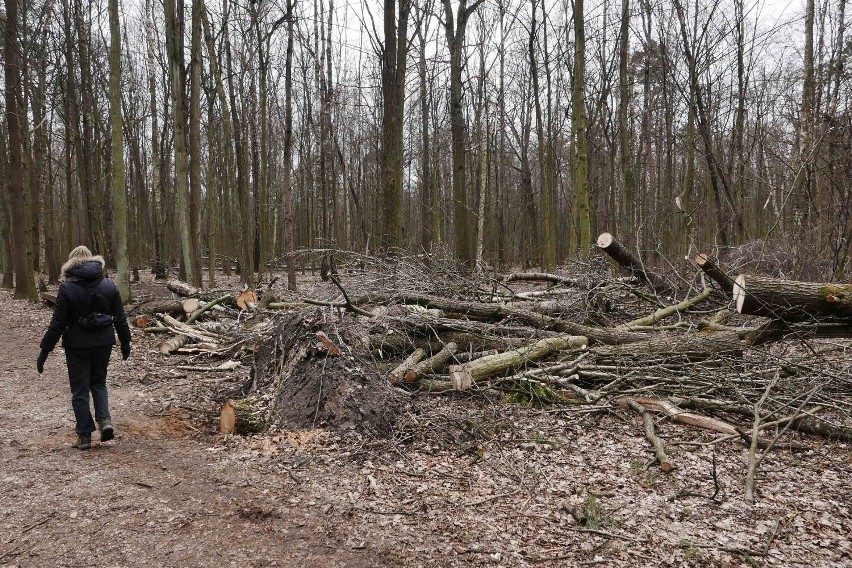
390	330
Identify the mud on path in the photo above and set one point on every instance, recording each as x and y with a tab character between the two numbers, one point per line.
463	481
161	494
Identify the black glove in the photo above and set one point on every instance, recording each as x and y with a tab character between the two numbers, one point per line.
42	357
125	351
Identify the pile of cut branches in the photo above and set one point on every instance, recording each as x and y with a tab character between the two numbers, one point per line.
745	356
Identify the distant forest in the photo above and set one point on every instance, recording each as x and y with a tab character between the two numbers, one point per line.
228	134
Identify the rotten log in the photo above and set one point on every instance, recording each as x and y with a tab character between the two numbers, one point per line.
463	376
715	273
619	253
791	300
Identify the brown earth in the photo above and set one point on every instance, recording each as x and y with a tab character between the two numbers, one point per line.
463	481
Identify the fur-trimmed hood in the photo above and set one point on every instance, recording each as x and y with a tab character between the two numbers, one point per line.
83	268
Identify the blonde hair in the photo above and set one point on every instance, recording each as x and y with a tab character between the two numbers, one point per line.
80	252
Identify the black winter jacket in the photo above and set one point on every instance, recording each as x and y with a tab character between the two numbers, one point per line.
71	304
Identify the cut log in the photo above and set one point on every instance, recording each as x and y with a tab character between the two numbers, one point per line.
432	364
790	300
715	273
174	307
183	289
244	416
463	376
397	374
247	300
625	259
49	299
172	344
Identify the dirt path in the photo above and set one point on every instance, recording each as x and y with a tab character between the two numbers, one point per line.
159	495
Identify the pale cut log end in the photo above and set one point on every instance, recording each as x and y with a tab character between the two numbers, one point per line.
701	259
228	418
605	240
740	292
460	377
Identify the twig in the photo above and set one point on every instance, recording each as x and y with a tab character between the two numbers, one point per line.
349	305
755	435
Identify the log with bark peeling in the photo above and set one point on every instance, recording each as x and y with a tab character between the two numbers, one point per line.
182	288
791	300
463	376
619	253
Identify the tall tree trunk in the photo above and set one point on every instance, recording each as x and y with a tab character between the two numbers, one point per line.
195	142
629	204
241	154
118	188
393	99
289	230
158	221
174	46
581	202
455	26
24	285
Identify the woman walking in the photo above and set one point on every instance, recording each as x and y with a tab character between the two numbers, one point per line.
87	314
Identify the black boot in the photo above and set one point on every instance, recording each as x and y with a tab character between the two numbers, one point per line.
107	431
84	442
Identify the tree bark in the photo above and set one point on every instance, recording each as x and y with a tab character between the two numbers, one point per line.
791	301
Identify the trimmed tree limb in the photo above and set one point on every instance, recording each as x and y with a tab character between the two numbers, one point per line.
397	374
625	258
668	311
544	277
715	273
463	376
651	435
432	364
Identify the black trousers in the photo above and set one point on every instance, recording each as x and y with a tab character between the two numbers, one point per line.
87	373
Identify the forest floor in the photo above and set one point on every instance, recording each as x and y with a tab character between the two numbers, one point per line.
465	481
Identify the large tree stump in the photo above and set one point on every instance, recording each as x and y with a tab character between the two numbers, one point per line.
789	300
